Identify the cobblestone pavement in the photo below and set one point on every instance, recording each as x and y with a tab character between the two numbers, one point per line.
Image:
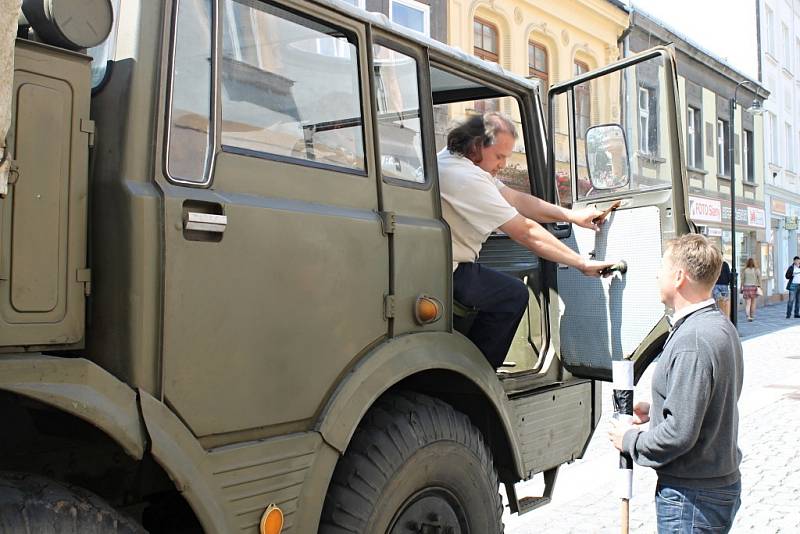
769	436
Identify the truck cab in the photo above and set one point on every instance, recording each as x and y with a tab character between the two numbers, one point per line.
226	282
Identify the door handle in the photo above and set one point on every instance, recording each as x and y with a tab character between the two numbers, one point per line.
204	222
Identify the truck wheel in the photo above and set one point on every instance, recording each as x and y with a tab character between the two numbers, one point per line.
414	464
31	504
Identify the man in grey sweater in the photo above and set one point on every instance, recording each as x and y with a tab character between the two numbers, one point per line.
694	419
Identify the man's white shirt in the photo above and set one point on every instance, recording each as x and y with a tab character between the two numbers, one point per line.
471	204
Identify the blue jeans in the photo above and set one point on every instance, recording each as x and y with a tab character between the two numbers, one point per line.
794	298
696	510
501	301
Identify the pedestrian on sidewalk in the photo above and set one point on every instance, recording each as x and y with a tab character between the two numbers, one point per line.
793	285
751	288
722	290
692	442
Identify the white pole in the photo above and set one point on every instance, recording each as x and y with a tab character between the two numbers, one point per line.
622	376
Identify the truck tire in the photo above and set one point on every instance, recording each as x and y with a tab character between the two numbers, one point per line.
31	504
414	464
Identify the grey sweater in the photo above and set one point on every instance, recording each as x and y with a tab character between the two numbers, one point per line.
694	420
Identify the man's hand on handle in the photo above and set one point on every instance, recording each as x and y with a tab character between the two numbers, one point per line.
595	268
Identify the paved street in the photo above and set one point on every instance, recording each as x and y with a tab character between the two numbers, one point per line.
585	502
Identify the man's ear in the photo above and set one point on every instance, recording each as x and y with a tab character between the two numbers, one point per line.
680	279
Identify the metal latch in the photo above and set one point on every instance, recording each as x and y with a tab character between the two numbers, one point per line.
88	126
387	222
204	222
388	306
85	276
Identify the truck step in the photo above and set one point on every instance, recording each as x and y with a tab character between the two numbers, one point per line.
523	505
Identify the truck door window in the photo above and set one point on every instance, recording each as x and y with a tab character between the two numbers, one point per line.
399	128
189	146
289	87
446	116
632	98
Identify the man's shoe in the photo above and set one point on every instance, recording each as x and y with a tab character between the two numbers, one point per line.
797	316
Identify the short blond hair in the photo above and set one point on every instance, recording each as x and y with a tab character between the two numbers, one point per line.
701	260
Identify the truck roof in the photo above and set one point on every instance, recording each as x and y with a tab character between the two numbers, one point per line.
382	21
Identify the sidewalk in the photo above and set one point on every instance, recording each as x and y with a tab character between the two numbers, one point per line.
768	319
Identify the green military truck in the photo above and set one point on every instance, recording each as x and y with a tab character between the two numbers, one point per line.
225	280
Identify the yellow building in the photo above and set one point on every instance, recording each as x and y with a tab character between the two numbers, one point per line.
551	40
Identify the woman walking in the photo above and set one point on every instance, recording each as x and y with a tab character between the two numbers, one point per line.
751	284
722	290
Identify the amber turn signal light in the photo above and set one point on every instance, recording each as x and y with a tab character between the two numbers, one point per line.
427	309
272	520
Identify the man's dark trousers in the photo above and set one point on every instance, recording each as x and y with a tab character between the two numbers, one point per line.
501	301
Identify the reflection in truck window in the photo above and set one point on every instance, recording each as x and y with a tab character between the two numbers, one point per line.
189	150
290	86
447	116
397	92
104	52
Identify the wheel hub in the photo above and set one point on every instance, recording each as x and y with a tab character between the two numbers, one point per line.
430	511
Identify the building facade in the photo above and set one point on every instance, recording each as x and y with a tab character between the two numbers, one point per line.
551	42
779	71
707	87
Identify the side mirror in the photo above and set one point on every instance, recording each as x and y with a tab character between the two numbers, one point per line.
607	157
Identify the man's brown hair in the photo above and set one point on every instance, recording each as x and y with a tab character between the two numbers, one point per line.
699	259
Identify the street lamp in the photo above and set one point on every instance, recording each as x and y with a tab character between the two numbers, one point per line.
754	109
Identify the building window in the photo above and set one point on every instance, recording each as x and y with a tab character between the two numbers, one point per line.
485	40
583	111
770	31
644	120
749	157
775	154
787	53
723	154
694	145
789	163
411	14
271	98
797	54
537	64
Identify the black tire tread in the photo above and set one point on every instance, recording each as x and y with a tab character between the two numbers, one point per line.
32	504
393	429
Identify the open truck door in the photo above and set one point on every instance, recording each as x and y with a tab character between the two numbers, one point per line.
615	144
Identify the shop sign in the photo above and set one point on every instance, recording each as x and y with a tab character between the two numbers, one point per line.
714	232
778	207
705	209
791	223
756	217
741	214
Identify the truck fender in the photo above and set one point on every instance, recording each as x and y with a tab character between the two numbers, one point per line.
186	462
403	356
79	387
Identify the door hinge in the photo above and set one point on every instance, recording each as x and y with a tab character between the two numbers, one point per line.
387	222
85	276
88	126
388	306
